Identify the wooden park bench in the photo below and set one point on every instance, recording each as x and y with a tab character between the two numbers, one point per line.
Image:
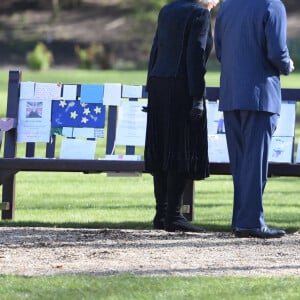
11	163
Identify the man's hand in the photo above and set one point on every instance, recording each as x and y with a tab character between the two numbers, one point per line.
197	110
292	66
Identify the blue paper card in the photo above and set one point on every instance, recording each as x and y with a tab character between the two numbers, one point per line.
92	93
67	113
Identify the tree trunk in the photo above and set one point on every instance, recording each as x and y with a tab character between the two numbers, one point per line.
55	9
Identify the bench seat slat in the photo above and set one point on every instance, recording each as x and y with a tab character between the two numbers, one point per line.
86	165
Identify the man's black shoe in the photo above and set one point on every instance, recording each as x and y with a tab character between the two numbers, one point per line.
263	232
182	224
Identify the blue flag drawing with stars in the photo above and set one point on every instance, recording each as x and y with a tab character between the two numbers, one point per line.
73	113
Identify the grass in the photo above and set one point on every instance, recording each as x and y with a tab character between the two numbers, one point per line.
144	288
98	201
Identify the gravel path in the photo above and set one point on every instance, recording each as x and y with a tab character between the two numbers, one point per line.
52	251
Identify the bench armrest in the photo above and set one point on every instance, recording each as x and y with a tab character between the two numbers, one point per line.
7	124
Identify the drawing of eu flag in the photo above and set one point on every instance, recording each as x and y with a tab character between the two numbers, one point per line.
73	113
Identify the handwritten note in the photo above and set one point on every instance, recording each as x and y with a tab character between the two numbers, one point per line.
131	126
47	91
33	133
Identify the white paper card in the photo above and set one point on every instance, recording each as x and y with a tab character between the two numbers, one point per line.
215	119
77	149
286	121
298	153
132	91
281	149
88	133
91	133
123	157
131	124
27	90
84	132
47	91
67	131
112	94
33	133
99	133
70	92
217	148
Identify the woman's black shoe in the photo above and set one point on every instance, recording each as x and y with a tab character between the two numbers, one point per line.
182	224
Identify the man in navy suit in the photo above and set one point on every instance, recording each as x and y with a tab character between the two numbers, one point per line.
250	42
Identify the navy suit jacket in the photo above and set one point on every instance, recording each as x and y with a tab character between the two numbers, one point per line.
182	44
250	42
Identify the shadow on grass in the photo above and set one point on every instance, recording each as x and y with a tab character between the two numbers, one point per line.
101	225
116	225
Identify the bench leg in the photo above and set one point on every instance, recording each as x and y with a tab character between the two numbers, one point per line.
8	198
188	200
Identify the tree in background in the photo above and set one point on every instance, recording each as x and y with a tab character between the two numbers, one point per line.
145	13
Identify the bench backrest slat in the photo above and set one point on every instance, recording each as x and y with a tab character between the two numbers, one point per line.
111	129
30	149
14	80
50	147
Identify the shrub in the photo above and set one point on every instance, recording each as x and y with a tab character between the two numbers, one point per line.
40	58
93	57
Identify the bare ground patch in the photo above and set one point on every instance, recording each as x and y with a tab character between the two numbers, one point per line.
53	251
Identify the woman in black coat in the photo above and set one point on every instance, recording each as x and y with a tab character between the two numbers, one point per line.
176	139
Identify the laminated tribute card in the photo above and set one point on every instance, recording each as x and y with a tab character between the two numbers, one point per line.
34	122
131	125
77	149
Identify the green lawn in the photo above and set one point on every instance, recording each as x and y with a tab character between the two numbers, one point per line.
148	288
98	201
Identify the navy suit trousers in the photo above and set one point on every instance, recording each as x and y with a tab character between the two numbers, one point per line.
248	135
